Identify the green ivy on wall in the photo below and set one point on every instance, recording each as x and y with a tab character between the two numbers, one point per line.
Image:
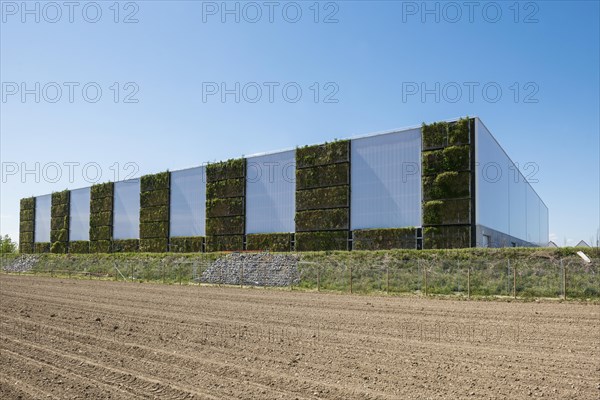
187	244
59	222
101	217
384	239
154	215
27	225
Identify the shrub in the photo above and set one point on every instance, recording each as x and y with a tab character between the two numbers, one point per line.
328	153
268	241
458	132
443	212
435	135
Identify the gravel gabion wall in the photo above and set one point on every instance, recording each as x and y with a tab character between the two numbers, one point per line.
262	269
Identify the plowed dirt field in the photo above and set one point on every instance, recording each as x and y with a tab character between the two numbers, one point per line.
63	339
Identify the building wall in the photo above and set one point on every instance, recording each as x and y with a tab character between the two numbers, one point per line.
43	205
506	202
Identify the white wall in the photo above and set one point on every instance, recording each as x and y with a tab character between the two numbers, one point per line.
43	205
126	217
188	202
79	215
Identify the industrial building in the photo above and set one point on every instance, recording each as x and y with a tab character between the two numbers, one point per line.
442	185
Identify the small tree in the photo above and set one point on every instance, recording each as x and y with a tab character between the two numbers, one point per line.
7	246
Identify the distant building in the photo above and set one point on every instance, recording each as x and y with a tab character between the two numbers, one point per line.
552	244
582	243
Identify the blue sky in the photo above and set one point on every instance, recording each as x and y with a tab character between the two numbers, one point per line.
357	64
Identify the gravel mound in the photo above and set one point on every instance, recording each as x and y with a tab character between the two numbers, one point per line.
261	269
22	263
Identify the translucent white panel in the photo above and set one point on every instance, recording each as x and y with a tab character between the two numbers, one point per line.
493	170
43	205
386	180
533	216
126	217
271	193
544	228
518	205
79	215
188	202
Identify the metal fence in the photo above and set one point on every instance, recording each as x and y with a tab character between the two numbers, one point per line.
563	278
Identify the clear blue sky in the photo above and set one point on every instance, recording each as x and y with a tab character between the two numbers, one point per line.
370	57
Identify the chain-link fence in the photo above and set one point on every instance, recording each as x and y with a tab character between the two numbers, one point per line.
550	278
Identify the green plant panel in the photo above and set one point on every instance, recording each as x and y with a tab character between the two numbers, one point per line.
323	154
26	226
317	199
154	198
40	248
226	188
59	210
125	246
225	226
224	243
225	170
384	239
102	190
58	247
59	235
154	230
154	182
323	220
190	244
28	203
458	132
154	214
60	197
227	207
447	237
26	237
101	219
445	212
457	158
435	135
324	176
59	223
276	242
447	185
26	248
79	247
322	241
100	233
155	245
27	215
103	204
100	246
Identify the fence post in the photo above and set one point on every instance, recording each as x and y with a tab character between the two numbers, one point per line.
350	278
425	281
318	278
564	271
387	279
514	282
469	282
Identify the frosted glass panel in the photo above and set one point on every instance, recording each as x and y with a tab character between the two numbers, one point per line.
492	181
271	193
506	202
386	180
126	217
188	202
79	217
43	204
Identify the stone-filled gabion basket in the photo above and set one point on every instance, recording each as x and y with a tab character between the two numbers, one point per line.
258	269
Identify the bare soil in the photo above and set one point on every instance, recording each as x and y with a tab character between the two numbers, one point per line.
68	339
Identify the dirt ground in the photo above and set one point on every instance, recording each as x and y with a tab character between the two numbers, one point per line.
62	338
